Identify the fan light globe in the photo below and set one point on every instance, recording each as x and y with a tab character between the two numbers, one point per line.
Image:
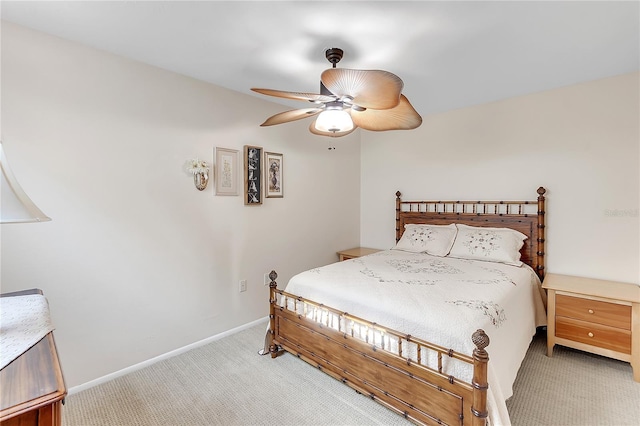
334	120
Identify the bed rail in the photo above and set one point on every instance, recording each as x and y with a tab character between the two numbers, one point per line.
388	366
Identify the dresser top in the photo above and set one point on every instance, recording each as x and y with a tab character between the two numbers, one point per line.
629	292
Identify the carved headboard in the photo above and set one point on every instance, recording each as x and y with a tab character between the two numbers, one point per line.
523	216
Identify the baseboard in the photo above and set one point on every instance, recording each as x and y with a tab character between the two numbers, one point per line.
162	357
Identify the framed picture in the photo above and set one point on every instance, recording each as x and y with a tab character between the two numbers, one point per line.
273	175
252	175
226	171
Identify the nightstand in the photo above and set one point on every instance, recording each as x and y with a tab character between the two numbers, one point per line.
355	252
597	316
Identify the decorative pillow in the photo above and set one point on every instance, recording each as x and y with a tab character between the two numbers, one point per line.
432	239
491	244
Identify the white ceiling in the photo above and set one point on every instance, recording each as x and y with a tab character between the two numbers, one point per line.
449	54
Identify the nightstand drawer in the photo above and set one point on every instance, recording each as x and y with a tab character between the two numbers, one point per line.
593	311
594	334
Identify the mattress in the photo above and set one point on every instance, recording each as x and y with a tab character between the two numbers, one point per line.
442	300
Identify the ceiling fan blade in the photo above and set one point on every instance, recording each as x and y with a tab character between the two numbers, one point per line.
369	88
312	129
293	115
312	97
402	117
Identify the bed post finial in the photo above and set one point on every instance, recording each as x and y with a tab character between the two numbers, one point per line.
480	383
272	276
481	340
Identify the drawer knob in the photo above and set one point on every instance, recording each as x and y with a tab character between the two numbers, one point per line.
590	334
590	311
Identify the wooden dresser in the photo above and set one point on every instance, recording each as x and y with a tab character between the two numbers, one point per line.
32	387
597	316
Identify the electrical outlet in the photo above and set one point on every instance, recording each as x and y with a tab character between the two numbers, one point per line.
243	285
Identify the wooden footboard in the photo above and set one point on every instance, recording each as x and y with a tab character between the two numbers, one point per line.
388	366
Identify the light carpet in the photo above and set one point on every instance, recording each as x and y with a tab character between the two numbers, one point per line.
573	388
227	383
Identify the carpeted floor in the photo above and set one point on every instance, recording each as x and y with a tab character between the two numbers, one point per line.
228	383
573	388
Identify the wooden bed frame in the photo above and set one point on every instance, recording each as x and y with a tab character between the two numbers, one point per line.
422	394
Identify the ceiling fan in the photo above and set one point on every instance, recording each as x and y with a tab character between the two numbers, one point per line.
348	99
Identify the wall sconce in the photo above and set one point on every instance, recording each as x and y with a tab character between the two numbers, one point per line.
200	171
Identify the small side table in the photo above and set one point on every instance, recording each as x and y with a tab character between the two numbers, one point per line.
597	316
355	253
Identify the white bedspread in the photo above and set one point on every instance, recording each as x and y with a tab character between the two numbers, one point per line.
24	321
442	300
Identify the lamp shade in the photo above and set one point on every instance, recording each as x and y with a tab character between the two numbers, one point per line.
15	205
334	120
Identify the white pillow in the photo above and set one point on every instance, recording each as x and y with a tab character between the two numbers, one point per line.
491	244
432	239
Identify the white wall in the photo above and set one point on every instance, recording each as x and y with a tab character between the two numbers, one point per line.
136	261
580	142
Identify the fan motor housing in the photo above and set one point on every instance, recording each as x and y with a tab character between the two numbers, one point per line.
334	55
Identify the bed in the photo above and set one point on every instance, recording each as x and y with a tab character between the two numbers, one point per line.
410	326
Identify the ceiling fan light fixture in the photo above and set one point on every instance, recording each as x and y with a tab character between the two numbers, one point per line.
350	99
334	120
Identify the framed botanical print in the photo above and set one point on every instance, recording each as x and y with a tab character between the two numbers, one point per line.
273	172
252	175
226	172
